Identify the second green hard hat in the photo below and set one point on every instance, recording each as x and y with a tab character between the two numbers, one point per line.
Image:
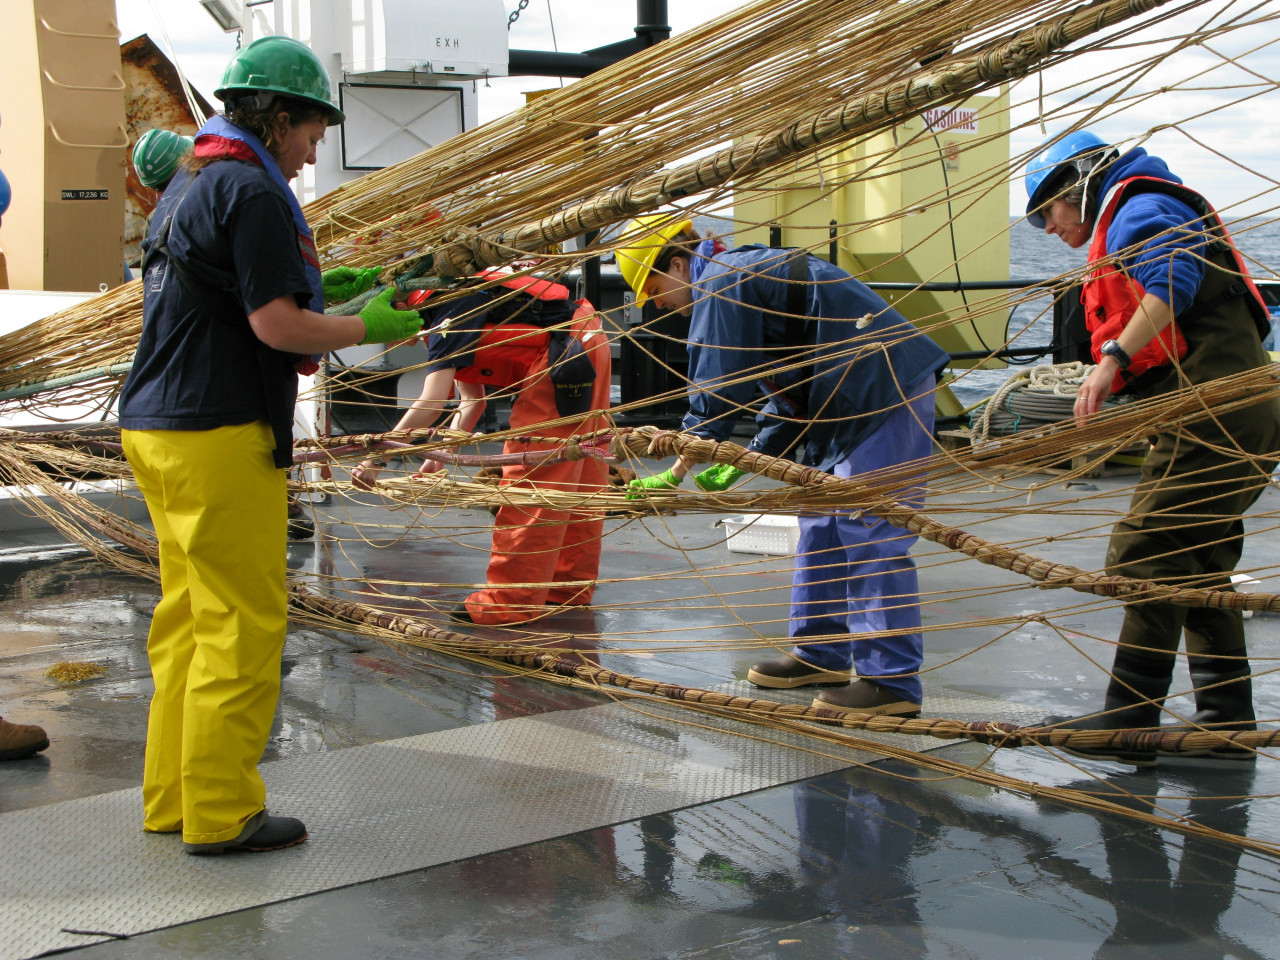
156	156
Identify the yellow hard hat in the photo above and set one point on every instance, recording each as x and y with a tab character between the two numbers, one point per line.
650	234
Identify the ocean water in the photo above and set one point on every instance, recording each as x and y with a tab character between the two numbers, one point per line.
1034	255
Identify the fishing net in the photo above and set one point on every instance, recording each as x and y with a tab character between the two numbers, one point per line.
739	108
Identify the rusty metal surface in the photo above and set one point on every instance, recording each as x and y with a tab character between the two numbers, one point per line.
153	97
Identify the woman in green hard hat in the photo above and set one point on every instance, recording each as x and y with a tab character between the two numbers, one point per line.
233	303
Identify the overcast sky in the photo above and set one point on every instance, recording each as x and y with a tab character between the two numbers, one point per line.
1245	134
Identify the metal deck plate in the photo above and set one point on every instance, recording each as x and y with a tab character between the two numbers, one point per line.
388	808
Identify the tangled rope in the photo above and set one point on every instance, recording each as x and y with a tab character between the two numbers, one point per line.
863	495
991	733
1046	394
594	153
465	253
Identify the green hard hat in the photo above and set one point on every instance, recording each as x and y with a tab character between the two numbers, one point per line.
156	156
278	65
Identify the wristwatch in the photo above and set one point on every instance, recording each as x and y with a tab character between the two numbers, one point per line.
1111	348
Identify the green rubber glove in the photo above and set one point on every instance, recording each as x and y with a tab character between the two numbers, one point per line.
343	283
639	488
383	323
718	477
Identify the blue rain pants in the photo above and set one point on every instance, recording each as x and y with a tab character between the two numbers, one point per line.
855	584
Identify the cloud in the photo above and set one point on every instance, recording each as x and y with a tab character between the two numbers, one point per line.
1199	107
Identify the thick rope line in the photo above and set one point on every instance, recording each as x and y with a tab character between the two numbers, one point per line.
991	733
112	372
660	444
1070	796
816	489
779	719
570	450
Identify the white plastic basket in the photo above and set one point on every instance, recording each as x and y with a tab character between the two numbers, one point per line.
1245	584
762	533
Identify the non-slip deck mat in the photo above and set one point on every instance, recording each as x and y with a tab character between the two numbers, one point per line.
387	808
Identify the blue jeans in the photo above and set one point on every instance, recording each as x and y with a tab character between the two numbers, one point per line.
855	583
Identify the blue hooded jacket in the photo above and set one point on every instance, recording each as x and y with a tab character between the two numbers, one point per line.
1162	230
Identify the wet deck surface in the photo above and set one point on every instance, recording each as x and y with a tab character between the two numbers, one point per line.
883	861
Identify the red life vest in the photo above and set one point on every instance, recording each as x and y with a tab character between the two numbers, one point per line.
505	355
508	351
1111	296
512	352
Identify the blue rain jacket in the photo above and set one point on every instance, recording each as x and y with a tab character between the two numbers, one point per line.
857	356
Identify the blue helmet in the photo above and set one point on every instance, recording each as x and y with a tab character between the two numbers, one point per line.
1080	152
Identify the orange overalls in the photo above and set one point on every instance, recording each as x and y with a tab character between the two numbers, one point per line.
542	556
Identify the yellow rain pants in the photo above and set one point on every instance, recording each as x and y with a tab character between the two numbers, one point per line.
219	510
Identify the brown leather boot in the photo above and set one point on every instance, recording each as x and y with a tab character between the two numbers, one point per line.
1133	699
867	696
21	740
301	525
787	672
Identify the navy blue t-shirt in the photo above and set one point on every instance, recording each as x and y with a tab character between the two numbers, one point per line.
456	348
199	364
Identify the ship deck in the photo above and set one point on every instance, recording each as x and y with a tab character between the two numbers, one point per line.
458	810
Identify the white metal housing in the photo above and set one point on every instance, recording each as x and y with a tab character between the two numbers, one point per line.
401	69
396	40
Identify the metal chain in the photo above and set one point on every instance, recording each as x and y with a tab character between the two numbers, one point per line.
515	14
